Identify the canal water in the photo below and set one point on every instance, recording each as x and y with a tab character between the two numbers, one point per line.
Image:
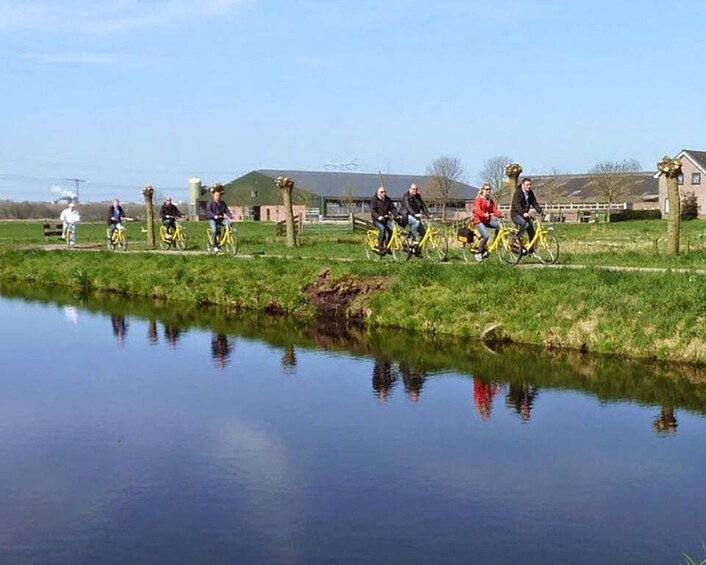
147	433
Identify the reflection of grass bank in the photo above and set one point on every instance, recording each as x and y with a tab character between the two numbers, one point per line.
609	378
636	314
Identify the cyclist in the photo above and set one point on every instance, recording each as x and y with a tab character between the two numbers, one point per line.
69	217
169	214
485	214
522	201
218	214
116	215
382	210
411	209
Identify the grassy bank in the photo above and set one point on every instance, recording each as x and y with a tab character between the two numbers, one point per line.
654	315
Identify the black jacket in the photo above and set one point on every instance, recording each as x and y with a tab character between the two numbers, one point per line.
380	207
169	210
520	205
413	205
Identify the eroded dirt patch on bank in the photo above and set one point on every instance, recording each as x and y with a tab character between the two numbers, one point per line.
343	297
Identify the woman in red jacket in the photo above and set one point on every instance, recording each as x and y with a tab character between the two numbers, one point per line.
485	213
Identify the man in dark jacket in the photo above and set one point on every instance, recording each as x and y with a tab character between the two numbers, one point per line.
218	214
169	214
382	210
411	209
116	215
522	201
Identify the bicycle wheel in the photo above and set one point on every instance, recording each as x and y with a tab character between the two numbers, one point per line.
231	244
508	250
181	241
469	251
110	241
547	249
69	237
436	247
122	242
209	241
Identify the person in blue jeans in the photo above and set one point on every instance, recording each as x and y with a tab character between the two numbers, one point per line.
522	201
411	209
218	214
382	211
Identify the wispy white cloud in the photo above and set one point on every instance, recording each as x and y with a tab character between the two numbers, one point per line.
109	16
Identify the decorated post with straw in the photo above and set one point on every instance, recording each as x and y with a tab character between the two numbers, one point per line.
671	168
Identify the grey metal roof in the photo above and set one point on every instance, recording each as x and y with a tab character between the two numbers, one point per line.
582	188
361	185
699	157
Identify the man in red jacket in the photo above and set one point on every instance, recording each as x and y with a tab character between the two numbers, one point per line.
485	213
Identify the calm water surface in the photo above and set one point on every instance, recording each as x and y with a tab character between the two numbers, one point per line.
140	434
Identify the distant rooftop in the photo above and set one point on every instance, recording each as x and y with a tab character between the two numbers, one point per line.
360	185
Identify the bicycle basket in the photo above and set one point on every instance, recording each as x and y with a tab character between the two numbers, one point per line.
464	235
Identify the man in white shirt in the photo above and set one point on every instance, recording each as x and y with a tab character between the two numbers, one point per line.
70	216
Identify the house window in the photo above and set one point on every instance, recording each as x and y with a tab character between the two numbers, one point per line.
695	178
680	179
267	213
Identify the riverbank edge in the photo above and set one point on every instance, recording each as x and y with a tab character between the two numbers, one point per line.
638	315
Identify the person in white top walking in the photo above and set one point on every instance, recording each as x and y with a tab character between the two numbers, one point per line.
70	217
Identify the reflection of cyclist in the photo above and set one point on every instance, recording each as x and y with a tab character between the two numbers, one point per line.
171	334
169	214
220	349
116	215
218	214
413	382
119	324
485	214
383	379
483	394
411	208
521	398
382	210
522	201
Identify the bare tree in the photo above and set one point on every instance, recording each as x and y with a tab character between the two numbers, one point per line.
493	173
612	179
445	172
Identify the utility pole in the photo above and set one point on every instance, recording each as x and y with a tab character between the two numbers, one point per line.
77	181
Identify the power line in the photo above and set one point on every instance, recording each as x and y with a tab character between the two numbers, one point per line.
77	181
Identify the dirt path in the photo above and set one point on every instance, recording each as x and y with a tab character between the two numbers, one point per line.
98	247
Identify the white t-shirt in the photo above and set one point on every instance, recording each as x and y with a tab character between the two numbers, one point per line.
69	216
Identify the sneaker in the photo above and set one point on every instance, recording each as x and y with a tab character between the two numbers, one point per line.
486	254
72	243
216	249
63	237
479	257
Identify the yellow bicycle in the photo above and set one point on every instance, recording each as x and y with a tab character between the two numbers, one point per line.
226	239
544	244
176	238
119	239
395	246
434	245
504	244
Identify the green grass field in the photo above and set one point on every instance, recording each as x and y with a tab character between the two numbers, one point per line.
634	243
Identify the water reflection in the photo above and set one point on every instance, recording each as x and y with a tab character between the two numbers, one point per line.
119	325
270	469
221	349
666	422
410	359
383	379
483	394
520	397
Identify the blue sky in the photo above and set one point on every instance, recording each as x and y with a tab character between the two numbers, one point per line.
125	93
